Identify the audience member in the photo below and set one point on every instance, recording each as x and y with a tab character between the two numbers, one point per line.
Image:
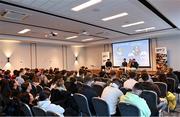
46	104
133	98
89	92
129	84
145	77
111	95
172	75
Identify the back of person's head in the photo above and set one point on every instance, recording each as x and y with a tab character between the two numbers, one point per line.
25	86
24	97
73	79
132	74
112	73
88	79
137	89
44	95
60	82
145	76
117	82
162	78
170	70
11	83
15	72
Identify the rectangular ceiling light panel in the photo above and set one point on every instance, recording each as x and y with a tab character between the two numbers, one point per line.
115	16
86	5
132	24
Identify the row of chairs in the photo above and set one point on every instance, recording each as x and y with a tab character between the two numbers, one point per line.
36	111
101	107
125	109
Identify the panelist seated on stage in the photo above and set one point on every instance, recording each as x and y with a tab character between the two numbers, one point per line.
134	64
108	63
124	63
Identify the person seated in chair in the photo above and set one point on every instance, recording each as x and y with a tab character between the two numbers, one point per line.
133	98
88	92
111	95
129	84
124	63
46	104
108	64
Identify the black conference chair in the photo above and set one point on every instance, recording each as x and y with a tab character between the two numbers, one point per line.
82	103
26	110
38	111
155	79
98	89
101	107
163	88
50	113
171	84
127	109
151	100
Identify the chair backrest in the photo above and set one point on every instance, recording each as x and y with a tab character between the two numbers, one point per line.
155	79
177	74
38	111
26	110
101	107
151	100
82	103
127	109
98	89
50	113
125	90
163	88
171	84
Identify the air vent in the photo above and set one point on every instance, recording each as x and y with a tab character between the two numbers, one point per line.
14	15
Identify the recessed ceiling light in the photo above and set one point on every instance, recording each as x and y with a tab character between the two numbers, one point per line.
115	16
145	29
72	37
132	24
89	39
85	5
24	31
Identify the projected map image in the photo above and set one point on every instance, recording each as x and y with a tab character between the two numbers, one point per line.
130	50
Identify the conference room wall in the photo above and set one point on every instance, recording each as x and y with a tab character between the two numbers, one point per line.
39	55
94	55
19	54
173	47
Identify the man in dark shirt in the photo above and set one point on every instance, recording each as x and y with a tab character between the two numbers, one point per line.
124	63
89	92
108	63
134	64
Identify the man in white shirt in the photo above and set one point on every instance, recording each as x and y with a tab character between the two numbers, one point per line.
111	95
46	104
129	84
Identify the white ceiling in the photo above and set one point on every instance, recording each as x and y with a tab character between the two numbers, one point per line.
46	16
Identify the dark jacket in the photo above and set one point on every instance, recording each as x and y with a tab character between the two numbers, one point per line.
89	93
